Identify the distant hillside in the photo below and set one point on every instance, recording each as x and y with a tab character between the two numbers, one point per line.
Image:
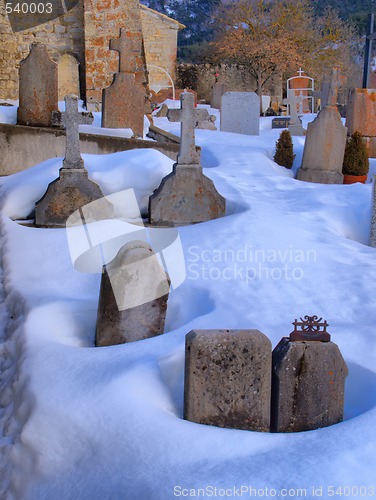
354	11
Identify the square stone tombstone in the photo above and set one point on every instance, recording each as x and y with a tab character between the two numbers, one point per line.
240	113
228	379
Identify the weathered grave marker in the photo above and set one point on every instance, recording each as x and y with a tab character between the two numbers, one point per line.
218	90
186	196
308	379
73	189
240	113
124	102
69	82
325	143
295	125
133	296
322	94
38	88
228	379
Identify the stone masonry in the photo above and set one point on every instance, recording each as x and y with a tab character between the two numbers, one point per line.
84	32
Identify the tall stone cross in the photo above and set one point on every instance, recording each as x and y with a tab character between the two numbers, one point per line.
71	119
371	35
188	115
293	101
335	83
129	46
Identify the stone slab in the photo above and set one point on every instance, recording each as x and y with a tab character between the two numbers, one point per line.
186	196
307	386
240	113
324	148
38	88
123	104
280	122
66	194
228	379
361	112
133	297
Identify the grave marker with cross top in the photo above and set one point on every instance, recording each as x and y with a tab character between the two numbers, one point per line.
129	47
188	115
71	119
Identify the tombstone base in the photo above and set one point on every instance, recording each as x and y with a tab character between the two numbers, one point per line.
308	386
296	129
69	192
319	176
186	196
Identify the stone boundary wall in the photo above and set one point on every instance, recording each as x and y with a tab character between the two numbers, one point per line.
23	147
236	77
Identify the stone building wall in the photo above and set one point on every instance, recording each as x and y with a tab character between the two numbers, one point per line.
62	35
161	39
85	32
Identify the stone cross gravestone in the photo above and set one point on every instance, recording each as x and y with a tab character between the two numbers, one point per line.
308	379
133	296
186	196
227	379
38	88
124	102
73	189
334	86
295	125
240	113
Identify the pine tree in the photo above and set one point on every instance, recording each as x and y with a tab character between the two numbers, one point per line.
284	154
355	161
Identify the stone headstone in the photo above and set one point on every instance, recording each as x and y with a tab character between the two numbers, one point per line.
133	297
38	88
69	82
218	90
295	125
228	379
73	189
280	122
240	113
308	381
361	117
186	196
124	102
324	148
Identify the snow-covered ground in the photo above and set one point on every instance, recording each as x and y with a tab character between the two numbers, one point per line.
106	423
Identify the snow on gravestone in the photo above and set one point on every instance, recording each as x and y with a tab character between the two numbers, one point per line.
124	102
38	88
240	113
308	381
228	379
133	296
72	190
186	196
